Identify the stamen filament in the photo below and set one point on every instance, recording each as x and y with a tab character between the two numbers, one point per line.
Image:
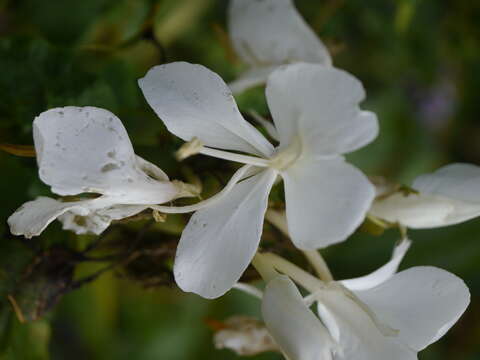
319	264
249	289
308	281
200	205
244	159
264	267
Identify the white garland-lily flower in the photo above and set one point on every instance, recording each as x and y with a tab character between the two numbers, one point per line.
270	33
377	317
448	196
87	150
318	119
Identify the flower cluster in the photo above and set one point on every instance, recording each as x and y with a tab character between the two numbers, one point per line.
317	119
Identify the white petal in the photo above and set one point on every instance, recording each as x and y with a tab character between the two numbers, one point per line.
326	200
357	333
220	240
34	216
294	327
251	78
423	210
422	303
193	101
321	106
412	210
456	181
97	221
383	273
88	150
267	125
273	32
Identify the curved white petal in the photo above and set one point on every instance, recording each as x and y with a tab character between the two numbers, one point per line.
294	327
220	240
267	125
97	221
321	106
423	210
457	181
87	149
383	273
422	303
358	334
326	200
273	32
34	216
253	77
193	101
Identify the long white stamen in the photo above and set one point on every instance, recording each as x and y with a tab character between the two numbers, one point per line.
244	159
308	281
319	264
264	267
249	289
200	205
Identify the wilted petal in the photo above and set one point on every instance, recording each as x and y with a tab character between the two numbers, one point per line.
98	220
383	273
294	327
88	150
273	32
34	216
422	303
220	240
245	336
320	105
358	334
193	101
326	200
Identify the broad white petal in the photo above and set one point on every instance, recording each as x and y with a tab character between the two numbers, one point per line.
326	200
382	274
358	334
273	32
34	216
97	221
193	101
422	303
220	240
320	105
251	78
86	149
294	327
456	181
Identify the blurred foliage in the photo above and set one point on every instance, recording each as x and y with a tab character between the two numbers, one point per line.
419	61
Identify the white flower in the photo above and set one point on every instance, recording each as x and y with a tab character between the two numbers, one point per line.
389	319
270	33
317	116
87	150
448	196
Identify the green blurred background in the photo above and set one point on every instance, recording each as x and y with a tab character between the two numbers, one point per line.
419	61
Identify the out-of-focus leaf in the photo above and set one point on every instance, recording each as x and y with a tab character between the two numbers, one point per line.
175	17
119	24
